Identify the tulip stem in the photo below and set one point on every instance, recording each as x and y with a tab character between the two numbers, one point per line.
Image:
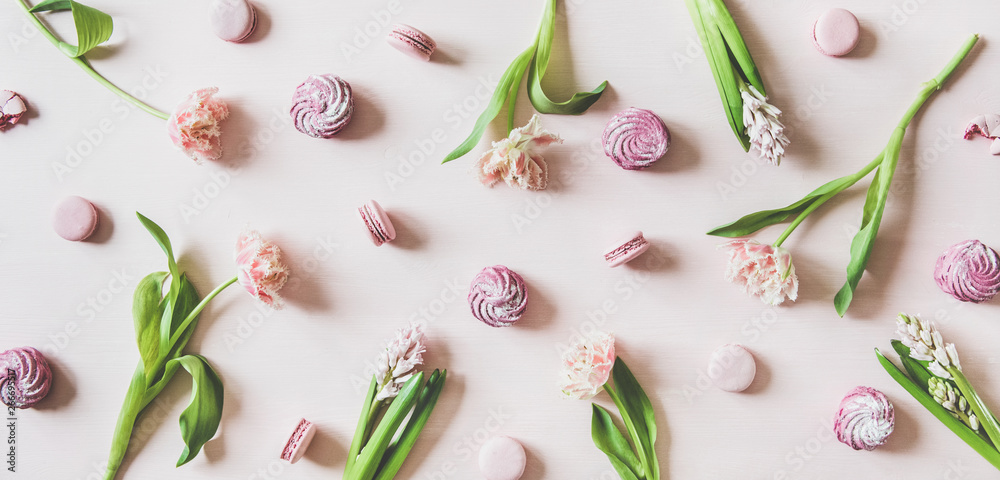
85	65
197	310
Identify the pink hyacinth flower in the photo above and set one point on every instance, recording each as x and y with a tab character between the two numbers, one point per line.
764	271
194	126
399	361
260	269
514	160
587	365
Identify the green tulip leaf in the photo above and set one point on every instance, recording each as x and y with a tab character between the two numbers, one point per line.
610	440
147	310
637	412
200	420
510	80
576	105
93	27
374	451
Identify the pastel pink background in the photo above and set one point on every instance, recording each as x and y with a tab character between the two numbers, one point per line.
669	309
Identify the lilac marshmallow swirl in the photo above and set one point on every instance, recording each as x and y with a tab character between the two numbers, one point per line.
498	296
25	377
322	106
635	138
865	419
969	271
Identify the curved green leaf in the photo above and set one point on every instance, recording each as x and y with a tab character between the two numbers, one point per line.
93	27
396	454
147	310
864	240
513	73
610	440
576	105
765	218
200	420
637	411
135	401
735	44
967	435
359	440
186	301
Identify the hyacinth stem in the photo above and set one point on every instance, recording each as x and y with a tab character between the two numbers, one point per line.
892	149
986	418
197	310
82	63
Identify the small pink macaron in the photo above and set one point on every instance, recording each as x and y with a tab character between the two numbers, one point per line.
502	458
75	219
411	41
297	444
836	32
377	222
732	368
233	20
626	250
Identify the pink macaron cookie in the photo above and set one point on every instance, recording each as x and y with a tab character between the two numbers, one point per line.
233	20
297	444
377	222
12	107
75	219
502	458
626	250
732	368
411	41
836	32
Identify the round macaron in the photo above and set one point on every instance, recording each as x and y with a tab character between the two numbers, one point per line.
502	458
297	444
75	219
233	20
377	222
836	32
411	41
732	368
626	250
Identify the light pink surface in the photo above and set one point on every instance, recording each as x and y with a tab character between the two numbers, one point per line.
669	309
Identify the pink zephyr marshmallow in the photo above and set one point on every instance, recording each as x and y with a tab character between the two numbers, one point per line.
987	126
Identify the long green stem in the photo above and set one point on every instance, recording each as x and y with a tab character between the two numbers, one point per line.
849	181
82	63
986	418
925	94
197	310
131	408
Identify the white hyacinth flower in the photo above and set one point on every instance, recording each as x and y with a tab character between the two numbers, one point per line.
766	132
398	362
927	345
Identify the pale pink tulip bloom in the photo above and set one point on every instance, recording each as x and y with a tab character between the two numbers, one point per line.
194	126
260	269
764	271
587	365
514	160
